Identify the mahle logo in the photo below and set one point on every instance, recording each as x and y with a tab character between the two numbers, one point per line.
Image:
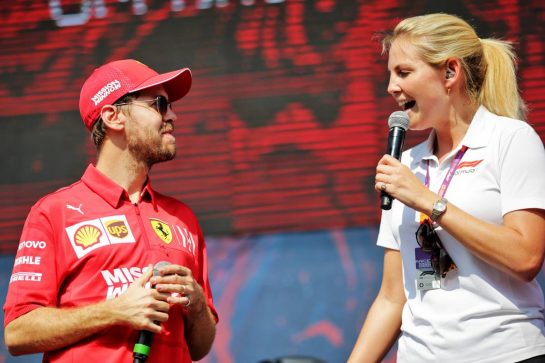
87	235
162	230
117	228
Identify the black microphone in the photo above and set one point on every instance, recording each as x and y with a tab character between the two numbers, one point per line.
398	122
142	347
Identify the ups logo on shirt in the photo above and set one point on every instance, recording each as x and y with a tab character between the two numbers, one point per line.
117	228
87	236
162	230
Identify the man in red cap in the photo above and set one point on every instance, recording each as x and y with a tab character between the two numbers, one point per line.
88	254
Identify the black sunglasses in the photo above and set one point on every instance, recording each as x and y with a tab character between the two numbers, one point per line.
160	103
429	241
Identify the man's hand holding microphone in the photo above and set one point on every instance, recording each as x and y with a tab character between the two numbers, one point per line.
144	308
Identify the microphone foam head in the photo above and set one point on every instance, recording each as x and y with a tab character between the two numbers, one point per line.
398	119
158	266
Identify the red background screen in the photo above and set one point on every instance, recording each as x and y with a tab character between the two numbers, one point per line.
286	118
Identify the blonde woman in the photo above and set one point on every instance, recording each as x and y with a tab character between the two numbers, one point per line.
465	237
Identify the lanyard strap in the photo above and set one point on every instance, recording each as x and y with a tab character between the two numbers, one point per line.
450	174
448	178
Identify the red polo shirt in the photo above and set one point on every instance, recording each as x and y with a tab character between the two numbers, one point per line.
86	243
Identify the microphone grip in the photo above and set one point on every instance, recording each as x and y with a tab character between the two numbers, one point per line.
396	138
143	346
385	201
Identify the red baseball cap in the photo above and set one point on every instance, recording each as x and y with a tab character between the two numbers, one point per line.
114	80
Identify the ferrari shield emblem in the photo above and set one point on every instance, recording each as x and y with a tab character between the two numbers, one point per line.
162	230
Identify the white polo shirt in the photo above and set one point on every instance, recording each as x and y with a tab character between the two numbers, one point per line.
481	314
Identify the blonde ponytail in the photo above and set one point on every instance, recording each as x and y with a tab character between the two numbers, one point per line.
500	93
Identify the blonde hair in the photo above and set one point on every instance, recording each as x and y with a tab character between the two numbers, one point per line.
489	65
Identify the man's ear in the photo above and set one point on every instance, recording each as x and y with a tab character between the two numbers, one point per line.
112	117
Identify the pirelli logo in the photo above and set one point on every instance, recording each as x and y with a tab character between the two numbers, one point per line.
26	276
89	235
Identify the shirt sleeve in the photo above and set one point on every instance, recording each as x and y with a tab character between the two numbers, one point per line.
522	171
386	236
203	274
33	282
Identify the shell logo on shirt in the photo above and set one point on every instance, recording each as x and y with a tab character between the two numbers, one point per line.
162	230
87	235
90	235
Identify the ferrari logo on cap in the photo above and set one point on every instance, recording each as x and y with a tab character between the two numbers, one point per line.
162	230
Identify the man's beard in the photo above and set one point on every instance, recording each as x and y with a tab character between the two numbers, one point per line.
150	149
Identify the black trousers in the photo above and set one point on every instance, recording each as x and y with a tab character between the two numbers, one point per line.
538	359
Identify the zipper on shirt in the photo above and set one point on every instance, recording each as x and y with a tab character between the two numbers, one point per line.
142	226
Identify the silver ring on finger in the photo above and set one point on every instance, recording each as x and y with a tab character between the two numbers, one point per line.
383	187
188	301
